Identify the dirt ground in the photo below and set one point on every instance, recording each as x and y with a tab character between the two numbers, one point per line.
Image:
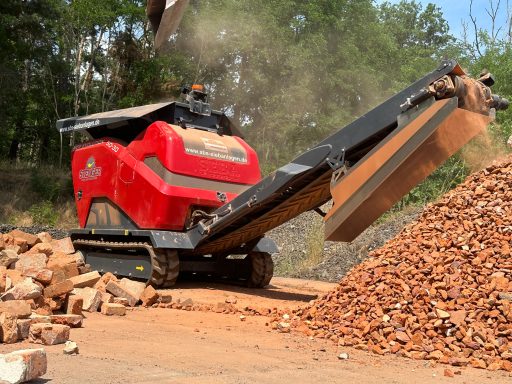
177	346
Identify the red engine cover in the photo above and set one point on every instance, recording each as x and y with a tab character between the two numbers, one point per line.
162	175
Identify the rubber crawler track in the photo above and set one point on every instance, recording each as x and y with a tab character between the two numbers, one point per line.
262	269
164	262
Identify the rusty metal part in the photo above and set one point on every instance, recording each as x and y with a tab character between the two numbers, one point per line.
444	87
397	164
476	97
499	103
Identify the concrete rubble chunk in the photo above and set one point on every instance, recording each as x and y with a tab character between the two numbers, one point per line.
22	244
74	304
29	238
23	328
8	257
85	280
48	334
505	296
63	264
8	328
113	309
31	262
64	245
19	308
35	318
24	324
442	314
102	282
3	280
164	296
73	321
15	276
106	297
58	276
8	283
135	287
44	276
22	366
149	296
283	327
70	348
58	289
45	248
70	270
55	303
42	306
118	291
188	303
83	269
120	300
15	248
45	237
91	298
24	290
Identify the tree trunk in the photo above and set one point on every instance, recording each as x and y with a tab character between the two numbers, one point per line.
44	154
15	143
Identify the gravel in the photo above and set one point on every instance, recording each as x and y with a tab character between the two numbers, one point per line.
34	230
304	254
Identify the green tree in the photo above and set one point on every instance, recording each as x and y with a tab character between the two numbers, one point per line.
27	31
291	72
420	36
489	49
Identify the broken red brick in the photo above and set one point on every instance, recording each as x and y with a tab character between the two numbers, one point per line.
48	334
112	309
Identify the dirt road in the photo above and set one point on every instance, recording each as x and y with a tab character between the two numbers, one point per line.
177	346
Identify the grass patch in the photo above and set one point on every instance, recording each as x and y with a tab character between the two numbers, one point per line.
36	196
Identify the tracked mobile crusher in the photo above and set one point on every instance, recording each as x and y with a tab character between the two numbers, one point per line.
172	188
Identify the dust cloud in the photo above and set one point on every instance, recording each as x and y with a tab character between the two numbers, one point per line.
482	150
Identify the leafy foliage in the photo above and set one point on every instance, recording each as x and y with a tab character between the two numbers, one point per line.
44	213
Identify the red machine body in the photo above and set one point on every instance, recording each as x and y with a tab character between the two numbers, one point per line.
160	178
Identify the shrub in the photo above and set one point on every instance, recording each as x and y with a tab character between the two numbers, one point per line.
44	213
46	186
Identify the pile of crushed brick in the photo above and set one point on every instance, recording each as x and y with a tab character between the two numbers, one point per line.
45	286
441	290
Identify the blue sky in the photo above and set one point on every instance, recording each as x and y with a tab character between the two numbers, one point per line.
457	11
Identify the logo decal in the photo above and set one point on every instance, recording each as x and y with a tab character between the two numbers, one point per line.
207	144
214	145
91	171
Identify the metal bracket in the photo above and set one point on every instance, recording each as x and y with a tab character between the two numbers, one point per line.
338	165
319	211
